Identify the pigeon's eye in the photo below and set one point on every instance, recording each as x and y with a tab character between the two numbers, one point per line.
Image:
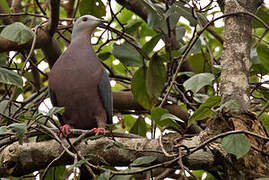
84	19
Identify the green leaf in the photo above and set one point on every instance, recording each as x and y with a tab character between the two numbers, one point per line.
156	77
133	27
92	7
149	46
236	144
104	56
4	130
231	105
129	121
127	54
263	54
20	129
257	65
197	62
263	13
10	77
262	179
139	127
157	114
105	175
200	98
18	33
155	18
195	48
4	5
55	110
204	111
79	163
115	144
138	84
265	120
172	117
198	81
3	59
122	177
157	22
55	173
178	9
180	32
143	160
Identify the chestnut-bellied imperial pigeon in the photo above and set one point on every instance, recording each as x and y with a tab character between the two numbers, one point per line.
79	83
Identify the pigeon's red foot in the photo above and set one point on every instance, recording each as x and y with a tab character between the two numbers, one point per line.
98	131
65	130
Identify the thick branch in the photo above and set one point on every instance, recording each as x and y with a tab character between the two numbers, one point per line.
236	52
54	16
124	100
18	160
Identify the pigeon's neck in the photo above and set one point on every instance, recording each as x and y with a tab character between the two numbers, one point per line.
84	36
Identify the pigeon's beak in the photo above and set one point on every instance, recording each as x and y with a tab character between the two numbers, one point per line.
102	21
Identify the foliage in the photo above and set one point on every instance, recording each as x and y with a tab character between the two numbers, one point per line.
144	55
236	144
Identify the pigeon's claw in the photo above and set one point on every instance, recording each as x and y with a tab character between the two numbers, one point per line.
65	130
98	131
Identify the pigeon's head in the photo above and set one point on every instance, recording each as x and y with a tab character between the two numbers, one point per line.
86	23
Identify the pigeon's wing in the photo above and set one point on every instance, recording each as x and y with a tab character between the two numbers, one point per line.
104	89
53	100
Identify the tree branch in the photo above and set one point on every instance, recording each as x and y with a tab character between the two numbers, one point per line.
18	160
54	16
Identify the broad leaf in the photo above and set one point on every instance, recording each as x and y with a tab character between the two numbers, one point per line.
3	59
236	144
115	144
263	54
257	66
263	13
178	9
230	105
159	115
138	89
143	160
4	5
195	48
55	173
104	56
149	46
105	175
4	130
172	117
198	81
127	54
10	77
156	19
156	77
197	62
56	110
157	23
139	127
180	32
92	7
133	27
204	111
79	163
20	129
18	33
265	119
